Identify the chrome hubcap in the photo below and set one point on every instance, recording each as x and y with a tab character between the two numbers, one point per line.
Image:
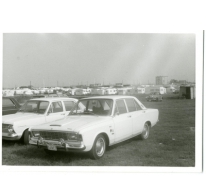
100	146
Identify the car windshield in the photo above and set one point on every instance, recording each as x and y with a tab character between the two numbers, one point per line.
35	107
100	107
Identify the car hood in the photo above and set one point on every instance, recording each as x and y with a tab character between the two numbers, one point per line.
19	117
72	123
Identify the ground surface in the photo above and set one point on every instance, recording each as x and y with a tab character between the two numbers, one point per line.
171	143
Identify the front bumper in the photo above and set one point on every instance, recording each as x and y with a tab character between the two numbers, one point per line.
59	146
10	136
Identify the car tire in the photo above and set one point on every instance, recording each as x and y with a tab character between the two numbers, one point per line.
26	137
145	132
99	147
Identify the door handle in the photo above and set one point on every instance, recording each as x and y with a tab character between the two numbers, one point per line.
143	111
129	116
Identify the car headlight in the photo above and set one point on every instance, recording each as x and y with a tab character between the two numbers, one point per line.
74	137
10	128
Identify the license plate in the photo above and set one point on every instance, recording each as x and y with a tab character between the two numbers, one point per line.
51	147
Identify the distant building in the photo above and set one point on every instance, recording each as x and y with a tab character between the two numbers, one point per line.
187	91
161	80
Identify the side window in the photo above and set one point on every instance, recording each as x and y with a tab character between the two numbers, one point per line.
7	102
68	105
121	106
57	107
43	106
130	104
137	106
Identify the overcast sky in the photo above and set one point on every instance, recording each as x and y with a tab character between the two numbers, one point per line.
72	59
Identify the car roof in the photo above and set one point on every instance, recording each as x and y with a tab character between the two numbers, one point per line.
114	97
53	99
7	97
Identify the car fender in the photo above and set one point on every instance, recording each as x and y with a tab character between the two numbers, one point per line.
90	135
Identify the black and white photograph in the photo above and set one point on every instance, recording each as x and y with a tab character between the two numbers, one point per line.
102	101
108	97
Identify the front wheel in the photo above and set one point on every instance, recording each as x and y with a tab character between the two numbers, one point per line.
145	132
26	137
99	147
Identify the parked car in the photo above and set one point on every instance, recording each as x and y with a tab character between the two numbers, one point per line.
155	96
95	123
35	112
9	105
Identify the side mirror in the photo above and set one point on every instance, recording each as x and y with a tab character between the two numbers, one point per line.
116	114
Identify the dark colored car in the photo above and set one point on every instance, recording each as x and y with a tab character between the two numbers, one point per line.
155	96
9	105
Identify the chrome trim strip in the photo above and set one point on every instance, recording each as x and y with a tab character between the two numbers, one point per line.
47	130
125	139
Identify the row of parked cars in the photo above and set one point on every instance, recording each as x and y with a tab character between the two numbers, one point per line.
89	124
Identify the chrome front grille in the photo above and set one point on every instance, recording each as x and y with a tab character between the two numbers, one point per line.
5	128
49	135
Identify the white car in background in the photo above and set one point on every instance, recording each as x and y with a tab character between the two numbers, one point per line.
95	123
35	112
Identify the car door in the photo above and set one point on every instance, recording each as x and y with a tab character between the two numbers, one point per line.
122	121
8	106
139	116
55	112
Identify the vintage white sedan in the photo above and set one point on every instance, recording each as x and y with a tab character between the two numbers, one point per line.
95	123
35	112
